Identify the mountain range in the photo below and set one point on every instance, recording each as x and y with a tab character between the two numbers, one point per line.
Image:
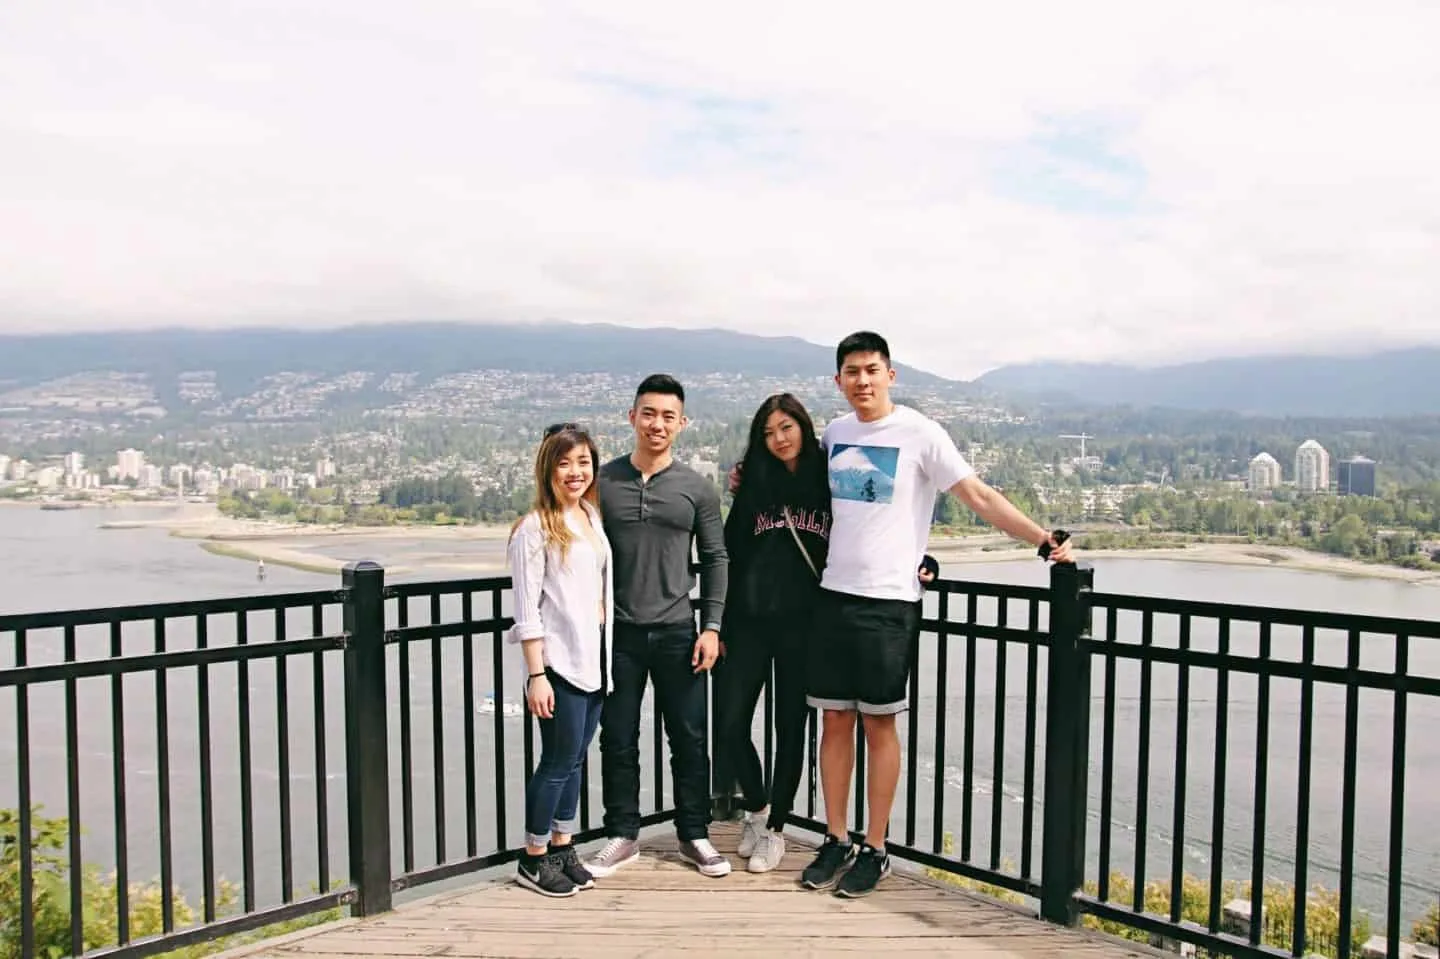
242	356
1394	383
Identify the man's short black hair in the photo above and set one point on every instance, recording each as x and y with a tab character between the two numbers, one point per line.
662	383
862	342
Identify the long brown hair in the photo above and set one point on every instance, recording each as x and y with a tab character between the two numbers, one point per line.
556	446
767	476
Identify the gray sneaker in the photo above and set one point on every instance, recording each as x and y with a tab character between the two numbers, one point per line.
750	834
616	853
700	854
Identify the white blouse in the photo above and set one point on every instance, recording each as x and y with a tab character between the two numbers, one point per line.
560	601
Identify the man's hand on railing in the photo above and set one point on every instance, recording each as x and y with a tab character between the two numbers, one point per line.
1056	549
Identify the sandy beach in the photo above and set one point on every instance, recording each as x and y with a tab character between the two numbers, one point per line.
480	549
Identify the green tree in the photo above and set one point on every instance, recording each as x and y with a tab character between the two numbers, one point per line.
237	506
1427	930
1348	537
50	899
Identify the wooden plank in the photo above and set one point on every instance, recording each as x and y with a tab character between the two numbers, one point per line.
531	945
660	906
738	900
602	946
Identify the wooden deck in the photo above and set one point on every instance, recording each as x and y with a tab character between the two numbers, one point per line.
658	906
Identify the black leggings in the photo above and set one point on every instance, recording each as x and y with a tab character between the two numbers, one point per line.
751	646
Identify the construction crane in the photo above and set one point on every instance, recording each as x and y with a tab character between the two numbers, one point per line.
1082	437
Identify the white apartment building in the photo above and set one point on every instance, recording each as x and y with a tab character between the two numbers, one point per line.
4	467
1312	468
74	464
129	464
20	470
49	477
1264	473
205	482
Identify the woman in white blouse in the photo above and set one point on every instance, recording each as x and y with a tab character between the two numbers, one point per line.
560	566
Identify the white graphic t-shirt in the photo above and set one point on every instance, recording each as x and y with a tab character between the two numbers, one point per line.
883	479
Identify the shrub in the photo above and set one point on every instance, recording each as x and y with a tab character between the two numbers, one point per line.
50	899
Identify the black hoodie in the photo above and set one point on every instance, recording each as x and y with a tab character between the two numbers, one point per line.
768	573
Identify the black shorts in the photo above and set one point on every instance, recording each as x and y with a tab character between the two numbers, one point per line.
860	653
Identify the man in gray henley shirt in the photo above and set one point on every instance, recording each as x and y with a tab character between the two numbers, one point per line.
654	509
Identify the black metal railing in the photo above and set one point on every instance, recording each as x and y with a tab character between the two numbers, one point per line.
1016	684
178	647
1268	664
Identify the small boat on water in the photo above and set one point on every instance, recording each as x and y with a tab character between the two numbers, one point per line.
509	710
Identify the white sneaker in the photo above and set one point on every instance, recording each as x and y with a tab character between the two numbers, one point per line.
700	854
616	853
750	834
768	852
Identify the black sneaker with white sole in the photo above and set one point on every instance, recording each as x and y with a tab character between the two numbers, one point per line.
570	865
544	875
871	866
828	863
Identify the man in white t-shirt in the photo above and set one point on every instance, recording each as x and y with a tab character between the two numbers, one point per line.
887	463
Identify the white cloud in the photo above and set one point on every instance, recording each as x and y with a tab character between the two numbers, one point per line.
984	184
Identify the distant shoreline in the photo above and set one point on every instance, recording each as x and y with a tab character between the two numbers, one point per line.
948	550
479	549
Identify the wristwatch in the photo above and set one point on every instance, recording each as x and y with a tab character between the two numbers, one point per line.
1057	537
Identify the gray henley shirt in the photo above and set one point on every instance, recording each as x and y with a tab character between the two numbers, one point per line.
651	526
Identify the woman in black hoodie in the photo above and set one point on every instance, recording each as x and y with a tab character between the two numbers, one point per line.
777	535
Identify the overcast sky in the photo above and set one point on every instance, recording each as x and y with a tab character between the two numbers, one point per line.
985	183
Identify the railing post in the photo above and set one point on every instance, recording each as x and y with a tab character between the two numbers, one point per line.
1067	744
367	764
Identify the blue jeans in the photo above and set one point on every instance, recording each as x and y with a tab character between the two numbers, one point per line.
552	795
660	654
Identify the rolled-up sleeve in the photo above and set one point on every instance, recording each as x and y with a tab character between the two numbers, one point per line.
526	553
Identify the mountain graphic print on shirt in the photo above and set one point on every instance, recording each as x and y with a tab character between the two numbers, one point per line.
863	474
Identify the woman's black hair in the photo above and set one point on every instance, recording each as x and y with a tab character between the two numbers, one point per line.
765	477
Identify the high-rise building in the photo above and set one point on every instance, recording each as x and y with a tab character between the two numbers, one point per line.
1264	473
4	467
129	464
1356	476
74	464
1312	468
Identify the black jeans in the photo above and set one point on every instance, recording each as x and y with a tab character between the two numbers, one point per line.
750	647
663	654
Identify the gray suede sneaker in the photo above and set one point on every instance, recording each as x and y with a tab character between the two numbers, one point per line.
700	854
616	853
